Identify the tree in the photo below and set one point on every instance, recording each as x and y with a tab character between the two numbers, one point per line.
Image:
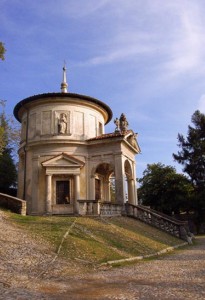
9	136
1	140
192	154
8	173
3	129
164	190
2	51
9	130
192	158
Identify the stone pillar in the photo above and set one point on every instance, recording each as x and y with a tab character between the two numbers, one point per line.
120	195
106	190
131	191
48	194
134	184
77	192
92	188
35	191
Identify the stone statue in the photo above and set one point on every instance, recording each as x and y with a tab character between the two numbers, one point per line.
117	123
62	123
123	123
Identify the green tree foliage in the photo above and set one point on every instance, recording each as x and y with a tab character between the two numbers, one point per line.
3	128
192	158
2	51
192	154
163	189
112	188
8	173
1	140
9	130
9	137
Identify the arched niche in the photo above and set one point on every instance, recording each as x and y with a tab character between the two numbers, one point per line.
102	176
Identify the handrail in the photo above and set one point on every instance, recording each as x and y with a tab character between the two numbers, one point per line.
159	220
157	213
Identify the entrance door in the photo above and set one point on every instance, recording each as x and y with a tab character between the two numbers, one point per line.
62	192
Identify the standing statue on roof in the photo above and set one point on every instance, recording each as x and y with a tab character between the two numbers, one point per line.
117	124
123	123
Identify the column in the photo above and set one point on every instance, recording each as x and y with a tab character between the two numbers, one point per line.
134	183
35	191
48	194
119	180
77	192
92	188
107	190
131	191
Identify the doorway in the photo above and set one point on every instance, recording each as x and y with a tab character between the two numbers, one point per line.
63	192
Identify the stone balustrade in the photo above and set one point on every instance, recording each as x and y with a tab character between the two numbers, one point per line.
95	207
88	207
12	203
110	209
168	224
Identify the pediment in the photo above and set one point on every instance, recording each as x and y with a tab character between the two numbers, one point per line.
131	138
63	160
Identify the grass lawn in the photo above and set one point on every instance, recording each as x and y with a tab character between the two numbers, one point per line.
95	240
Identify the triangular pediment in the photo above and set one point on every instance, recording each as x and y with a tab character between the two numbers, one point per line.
131	138
63	160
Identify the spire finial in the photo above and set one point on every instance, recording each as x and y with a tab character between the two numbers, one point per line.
64	84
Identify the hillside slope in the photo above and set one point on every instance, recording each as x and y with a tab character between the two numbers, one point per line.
33	249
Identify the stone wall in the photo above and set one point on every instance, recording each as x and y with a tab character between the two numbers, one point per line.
12	203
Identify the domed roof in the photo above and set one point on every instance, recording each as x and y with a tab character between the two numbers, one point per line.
65	97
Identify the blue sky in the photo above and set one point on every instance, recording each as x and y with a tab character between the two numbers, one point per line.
145	58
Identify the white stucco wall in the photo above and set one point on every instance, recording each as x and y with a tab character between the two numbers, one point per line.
84	120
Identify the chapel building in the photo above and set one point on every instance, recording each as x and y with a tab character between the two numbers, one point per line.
67	163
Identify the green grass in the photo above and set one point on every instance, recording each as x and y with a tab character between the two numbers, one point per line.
95	240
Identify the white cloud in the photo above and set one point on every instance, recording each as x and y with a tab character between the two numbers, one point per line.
119	55
187	48
172	33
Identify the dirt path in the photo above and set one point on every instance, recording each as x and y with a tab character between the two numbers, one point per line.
177	276
27	272
26	264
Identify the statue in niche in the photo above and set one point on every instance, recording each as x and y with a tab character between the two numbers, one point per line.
123	123
62	123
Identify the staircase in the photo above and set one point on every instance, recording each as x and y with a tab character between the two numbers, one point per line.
159	220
